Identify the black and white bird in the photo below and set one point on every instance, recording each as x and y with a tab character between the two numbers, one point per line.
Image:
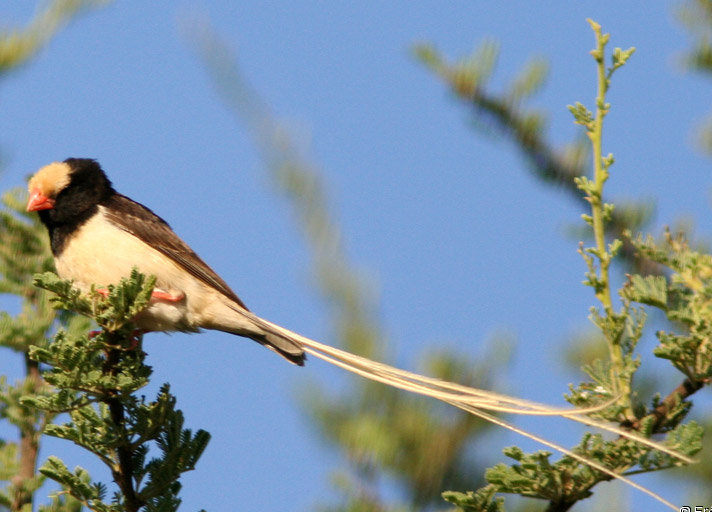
98	235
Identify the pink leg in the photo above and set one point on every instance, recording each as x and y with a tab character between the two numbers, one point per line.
156	294
167	296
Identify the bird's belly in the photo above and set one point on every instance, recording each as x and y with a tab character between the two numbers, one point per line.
165	316
102	254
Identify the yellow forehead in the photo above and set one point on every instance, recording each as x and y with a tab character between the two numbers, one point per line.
50	179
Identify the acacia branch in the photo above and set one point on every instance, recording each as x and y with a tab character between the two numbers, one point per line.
123	473
661	413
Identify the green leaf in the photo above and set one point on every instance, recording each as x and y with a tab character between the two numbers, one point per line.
482	500
582	115
651	290
620	57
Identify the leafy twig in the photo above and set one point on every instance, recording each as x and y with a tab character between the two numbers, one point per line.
598	276
96	378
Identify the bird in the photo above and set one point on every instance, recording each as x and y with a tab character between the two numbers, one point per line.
98	236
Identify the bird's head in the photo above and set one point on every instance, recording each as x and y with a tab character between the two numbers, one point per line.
46	184
79	181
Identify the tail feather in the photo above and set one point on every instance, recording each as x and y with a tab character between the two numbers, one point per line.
475	401
246	323
478	402
285	346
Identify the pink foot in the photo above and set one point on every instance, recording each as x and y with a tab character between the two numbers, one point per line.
156	294
167	296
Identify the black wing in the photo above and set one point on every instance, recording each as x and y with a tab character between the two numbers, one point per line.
145	225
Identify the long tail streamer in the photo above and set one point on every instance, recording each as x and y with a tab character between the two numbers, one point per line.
477	401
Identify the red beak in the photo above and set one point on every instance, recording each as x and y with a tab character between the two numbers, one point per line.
38	201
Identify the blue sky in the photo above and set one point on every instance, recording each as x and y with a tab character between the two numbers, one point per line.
457	240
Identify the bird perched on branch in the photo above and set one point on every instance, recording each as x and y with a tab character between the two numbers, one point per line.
98	236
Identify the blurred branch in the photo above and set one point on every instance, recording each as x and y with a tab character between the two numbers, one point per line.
379	429
18	45
505	114
300	180
696	16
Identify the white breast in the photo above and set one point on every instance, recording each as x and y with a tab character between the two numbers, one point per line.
101	253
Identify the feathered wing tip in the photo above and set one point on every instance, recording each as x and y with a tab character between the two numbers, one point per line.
281	341
287	348
473	400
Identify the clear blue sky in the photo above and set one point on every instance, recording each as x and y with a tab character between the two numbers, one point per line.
458	240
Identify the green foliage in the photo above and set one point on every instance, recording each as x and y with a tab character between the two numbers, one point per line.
470	74
567	480
584	117
92	377
535	476
96	377
619	58
24	252
481	500
685	298
623	328
696	15
381	431
650	290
